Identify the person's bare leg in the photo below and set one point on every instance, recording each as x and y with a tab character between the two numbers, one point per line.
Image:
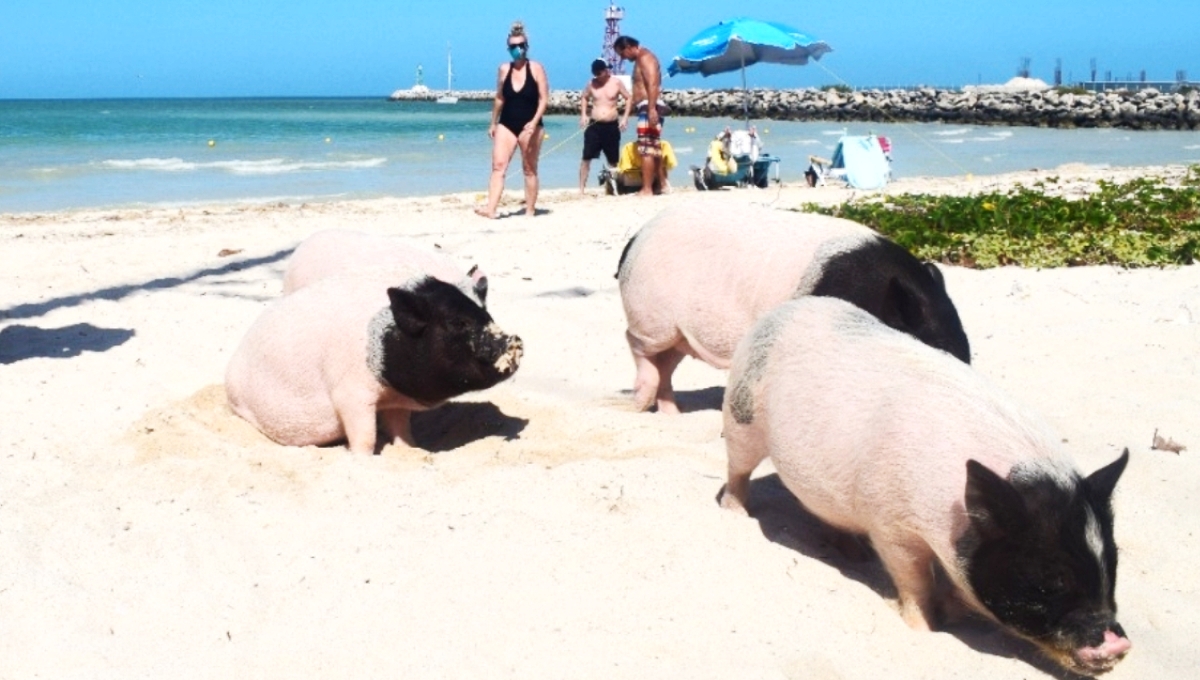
503	147
584	167
531	146
649	174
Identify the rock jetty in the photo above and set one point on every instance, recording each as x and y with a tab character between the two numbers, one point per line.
1147	109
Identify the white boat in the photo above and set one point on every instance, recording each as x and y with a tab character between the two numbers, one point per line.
449	97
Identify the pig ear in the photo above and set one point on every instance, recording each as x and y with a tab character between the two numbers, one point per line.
479	283
1104	480
409	311
481	289
936	274
901	307
994	506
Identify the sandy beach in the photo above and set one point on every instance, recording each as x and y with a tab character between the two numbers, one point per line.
546	530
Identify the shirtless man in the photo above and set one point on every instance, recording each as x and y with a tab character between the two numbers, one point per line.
647	90
603	131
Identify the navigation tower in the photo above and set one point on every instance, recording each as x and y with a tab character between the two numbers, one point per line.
612	29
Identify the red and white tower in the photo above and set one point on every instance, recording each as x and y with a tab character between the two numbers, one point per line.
612	29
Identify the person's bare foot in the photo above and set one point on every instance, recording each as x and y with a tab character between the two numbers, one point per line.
483	213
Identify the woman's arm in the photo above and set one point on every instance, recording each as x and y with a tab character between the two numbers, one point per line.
543	93
498	102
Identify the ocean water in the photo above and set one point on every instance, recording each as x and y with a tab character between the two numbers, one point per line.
66	154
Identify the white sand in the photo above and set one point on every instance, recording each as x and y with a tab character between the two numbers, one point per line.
549	532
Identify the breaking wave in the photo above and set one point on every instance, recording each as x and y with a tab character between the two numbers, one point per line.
997	136
270	166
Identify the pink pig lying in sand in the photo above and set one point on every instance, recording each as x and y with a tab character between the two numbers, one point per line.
341	251
325	362
696	277
879	435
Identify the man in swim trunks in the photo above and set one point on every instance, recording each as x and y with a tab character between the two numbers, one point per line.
647	92
603	131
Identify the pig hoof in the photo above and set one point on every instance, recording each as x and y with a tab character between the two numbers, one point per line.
914	616
668	407
642	405
731	503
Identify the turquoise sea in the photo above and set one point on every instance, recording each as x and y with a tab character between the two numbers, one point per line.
66	154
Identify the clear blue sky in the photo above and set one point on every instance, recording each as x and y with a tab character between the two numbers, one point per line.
205	48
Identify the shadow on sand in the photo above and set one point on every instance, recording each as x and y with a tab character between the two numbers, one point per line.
32	310
707	399
19	342
784	521
457	424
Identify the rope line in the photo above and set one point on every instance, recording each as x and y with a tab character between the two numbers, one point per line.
554	148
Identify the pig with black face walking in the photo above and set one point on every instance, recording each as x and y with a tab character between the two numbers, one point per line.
345	354
879	435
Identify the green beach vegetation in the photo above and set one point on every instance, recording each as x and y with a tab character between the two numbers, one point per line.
1139	223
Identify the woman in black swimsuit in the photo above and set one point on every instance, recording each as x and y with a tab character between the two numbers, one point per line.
521	95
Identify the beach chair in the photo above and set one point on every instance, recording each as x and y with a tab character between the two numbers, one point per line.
862	162
735	158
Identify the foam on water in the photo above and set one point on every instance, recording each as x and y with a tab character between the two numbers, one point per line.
271	166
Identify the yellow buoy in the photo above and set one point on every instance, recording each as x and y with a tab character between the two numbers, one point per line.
328	140
546	135
212	142
441	137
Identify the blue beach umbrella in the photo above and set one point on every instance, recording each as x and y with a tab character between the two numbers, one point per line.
738	43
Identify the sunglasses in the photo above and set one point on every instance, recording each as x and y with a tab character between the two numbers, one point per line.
523	45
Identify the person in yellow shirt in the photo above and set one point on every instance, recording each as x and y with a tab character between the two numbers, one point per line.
629	166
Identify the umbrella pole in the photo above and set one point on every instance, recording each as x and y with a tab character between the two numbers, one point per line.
745	94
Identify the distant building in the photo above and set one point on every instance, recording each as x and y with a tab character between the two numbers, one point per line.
1160	85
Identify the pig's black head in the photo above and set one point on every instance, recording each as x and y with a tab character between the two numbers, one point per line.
442	344
1040	557
883	278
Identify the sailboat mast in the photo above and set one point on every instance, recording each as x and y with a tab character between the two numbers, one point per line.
448	97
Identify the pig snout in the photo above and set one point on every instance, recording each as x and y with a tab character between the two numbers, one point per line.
1104	656
1090	649
502	351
